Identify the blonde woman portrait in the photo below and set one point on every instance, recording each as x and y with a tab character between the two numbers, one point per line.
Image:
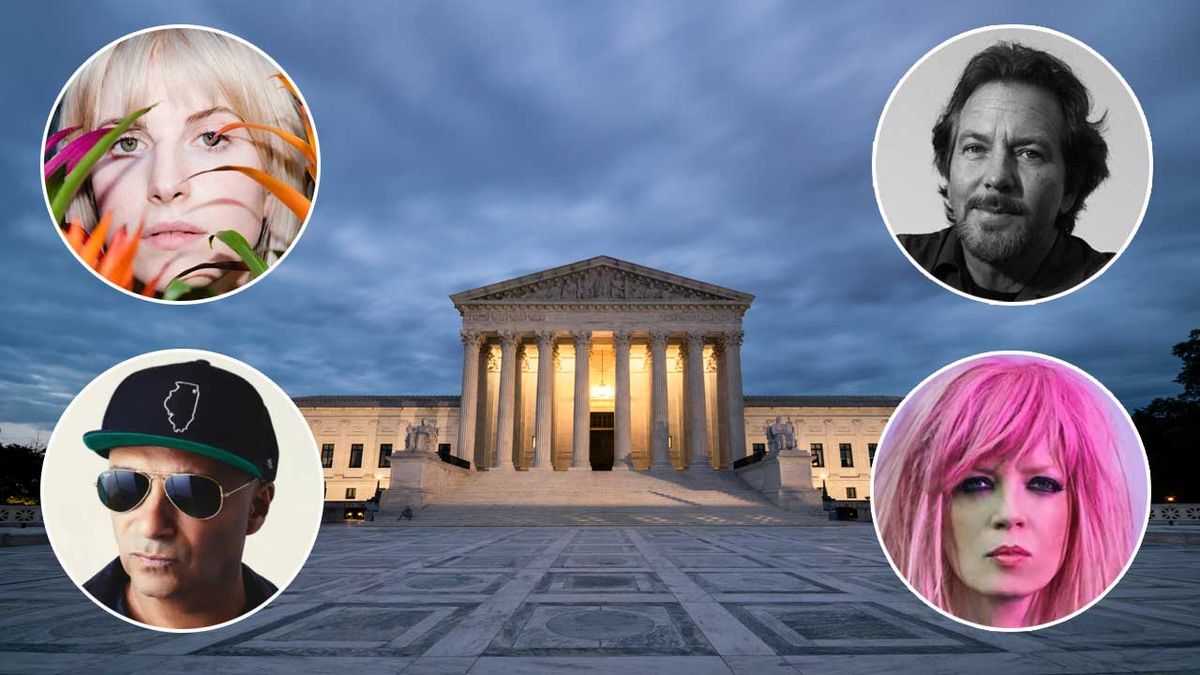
223	145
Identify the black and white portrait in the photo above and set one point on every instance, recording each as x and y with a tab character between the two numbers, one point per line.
1012	164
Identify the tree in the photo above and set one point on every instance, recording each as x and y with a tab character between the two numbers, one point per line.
1170	430
20	473
1189	375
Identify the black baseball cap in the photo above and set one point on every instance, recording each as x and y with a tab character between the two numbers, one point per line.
194	407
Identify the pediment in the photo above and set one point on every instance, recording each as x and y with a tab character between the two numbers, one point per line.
601	280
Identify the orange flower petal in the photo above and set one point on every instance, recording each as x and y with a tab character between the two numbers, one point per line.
291	198
291	139
287	83
76	236
125	278
111	256
308	131
91	250
125	253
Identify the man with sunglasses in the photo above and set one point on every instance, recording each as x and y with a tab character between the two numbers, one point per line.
192	459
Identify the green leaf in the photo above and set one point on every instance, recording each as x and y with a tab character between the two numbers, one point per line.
54	183
176	290
74	180
234	240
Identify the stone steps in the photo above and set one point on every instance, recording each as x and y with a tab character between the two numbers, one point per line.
459	516
529	498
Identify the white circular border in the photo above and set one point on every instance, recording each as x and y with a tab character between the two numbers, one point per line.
1137	104
1113	399
316	150
218	360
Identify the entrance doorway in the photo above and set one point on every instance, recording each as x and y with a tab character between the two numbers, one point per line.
602	441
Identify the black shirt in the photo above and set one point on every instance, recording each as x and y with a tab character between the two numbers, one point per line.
1070	262
108	586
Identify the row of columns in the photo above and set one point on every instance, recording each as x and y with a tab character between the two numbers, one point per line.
731	422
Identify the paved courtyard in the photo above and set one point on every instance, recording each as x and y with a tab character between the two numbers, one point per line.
628	600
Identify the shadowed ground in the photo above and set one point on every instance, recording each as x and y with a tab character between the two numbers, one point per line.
627	600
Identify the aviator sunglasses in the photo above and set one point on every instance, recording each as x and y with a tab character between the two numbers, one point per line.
197	496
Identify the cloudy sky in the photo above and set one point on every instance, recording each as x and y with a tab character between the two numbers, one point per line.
467	143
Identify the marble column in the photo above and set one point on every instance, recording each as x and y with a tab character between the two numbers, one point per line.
581	433
470	393
623	459
697	422
507	401
660	457
519	431
722	455
543	412
735	415
485	411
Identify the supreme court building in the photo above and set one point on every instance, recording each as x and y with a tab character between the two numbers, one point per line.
600	365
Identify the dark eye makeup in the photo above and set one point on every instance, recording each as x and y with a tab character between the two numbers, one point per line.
977	484
1044	484
973	484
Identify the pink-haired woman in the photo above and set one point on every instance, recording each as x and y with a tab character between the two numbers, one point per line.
1000	494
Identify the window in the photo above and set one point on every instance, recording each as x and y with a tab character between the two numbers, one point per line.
385	455
759	448
818	453
847	454
356	455
871	453
351	493
327	455
851	493
443	448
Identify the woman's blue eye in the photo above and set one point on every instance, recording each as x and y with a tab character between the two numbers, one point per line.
127	144
1044	484
212	139
975	484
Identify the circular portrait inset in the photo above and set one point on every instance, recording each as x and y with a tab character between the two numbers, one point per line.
1012	164
1010	491
180	163
181	490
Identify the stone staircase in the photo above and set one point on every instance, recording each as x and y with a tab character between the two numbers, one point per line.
528	498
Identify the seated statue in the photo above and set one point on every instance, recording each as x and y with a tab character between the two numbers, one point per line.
781	436
421	437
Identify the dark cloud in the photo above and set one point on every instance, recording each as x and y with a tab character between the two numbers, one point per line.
466	143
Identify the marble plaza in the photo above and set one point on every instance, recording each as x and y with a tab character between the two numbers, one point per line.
694	600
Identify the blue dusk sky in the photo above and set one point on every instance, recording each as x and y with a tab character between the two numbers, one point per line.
468	143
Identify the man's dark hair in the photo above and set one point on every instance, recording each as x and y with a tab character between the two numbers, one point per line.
1084	150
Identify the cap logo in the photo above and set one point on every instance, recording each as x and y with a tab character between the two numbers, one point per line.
180	405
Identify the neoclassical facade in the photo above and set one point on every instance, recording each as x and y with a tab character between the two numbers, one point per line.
597	365
590	358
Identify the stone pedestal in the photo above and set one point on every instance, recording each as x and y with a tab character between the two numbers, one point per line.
418	478
785	479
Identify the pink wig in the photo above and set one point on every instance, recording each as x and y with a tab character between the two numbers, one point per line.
992	410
